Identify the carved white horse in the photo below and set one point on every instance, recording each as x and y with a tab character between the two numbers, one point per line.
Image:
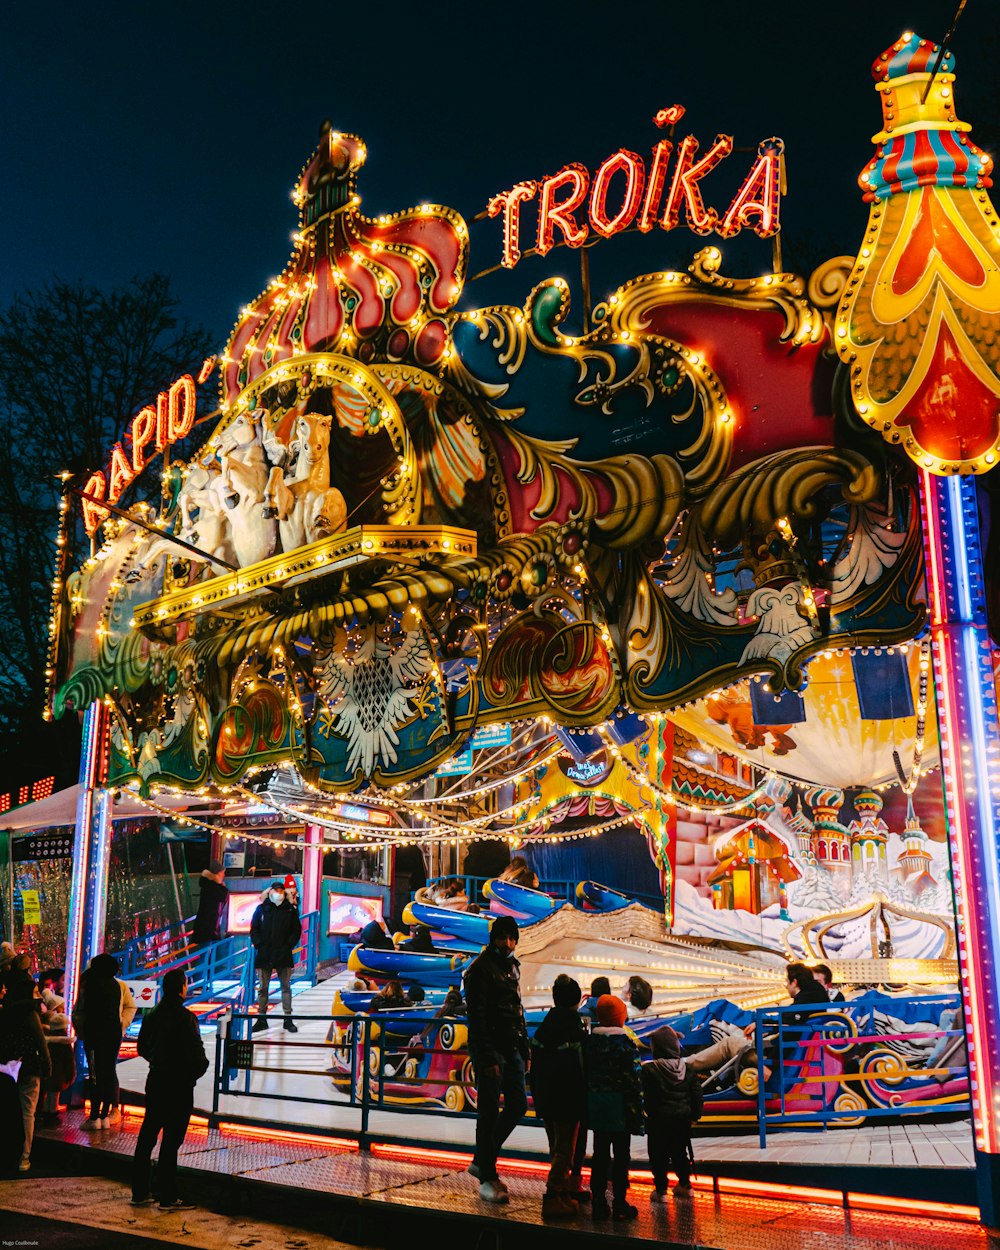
306	506
243	485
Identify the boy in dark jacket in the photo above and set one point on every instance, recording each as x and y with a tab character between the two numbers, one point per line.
559	1090
171	1044
673	1101
614	1105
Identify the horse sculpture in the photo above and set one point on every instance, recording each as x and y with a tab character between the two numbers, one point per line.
298	492
243	483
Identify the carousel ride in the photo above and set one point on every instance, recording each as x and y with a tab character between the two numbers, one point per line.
660	549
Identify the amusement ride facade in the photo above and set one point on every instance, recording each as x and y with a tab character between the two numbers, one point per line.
707	566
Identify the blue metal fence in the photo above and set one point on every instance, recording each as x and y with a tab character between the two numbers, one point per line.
853	1063
847	1065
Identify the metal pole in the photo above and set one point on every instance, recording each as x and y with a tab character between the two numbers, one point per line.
92	765
966	702
173	878
363	1142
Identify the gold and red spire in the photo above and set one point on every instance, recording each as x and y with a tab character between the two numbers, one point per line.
917	322
374	289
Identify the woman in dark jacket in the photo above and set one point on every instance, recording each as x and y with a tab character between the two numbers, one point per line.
559	1091
101	1002
672	1100
21	1037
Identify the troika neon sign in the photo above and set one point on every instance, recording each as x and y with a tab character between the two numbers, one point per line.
150	431
621	192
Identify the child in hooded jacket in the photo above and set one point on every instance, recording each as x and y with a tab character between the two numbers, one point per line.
614	1105
559	1091
673	1101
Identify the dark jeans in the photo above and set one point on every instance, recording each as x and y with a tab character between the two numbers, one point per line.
668	1150
494	1126
562	1143
168	1111
604	1143
104	1073
284	976
580	1150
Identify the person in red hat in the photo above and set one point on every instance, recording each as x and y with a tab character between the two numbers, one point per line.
291	890
614	1106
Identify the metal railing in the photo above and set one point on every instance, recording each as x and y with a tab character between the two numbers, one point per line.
372	1062
845	1065
849	1063
150	951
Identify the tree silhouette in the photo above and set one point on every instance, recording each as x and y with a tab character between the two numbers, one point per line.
76	363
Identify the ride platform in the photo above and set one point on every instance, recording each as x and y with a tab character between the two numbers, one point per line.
390	1195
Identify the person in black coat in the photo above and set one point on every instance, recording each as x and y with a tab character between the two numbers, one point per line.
822	974
21	1038
211	904
171	1044
498	1047
274	933
672	1099
559	1090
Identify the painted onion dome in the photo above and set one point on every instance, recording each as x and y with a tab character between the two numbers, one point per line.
370	288
922	142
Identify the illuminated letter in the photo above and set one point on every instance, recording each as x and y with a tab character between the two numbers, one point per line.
120	473
759	196
161	421
93	516
686	176
206	370
509	203
657	175
553	213
181	403
143	430
631	165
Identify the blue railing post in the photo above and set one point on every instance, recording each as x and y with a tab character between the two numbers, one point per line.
363	1143
221	1047
761	1096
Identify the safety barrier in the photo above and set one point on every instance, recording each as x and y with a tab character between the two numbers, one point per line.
145	956
853	1063
846	1065
366	1063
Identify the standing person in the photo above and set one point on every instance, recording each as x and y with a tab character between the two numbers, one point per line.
599	986
211	904
498	1047
21	1037
107	1011
170	1043
822	973
803	988
559	1090
672	1100
639	997
614	1105
274	932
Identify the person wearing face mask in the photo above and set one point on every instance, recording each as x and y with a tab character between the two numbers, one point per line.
274	932
499	1049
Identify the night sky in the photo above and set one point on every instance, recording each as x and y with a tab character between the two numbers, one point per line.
142	138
